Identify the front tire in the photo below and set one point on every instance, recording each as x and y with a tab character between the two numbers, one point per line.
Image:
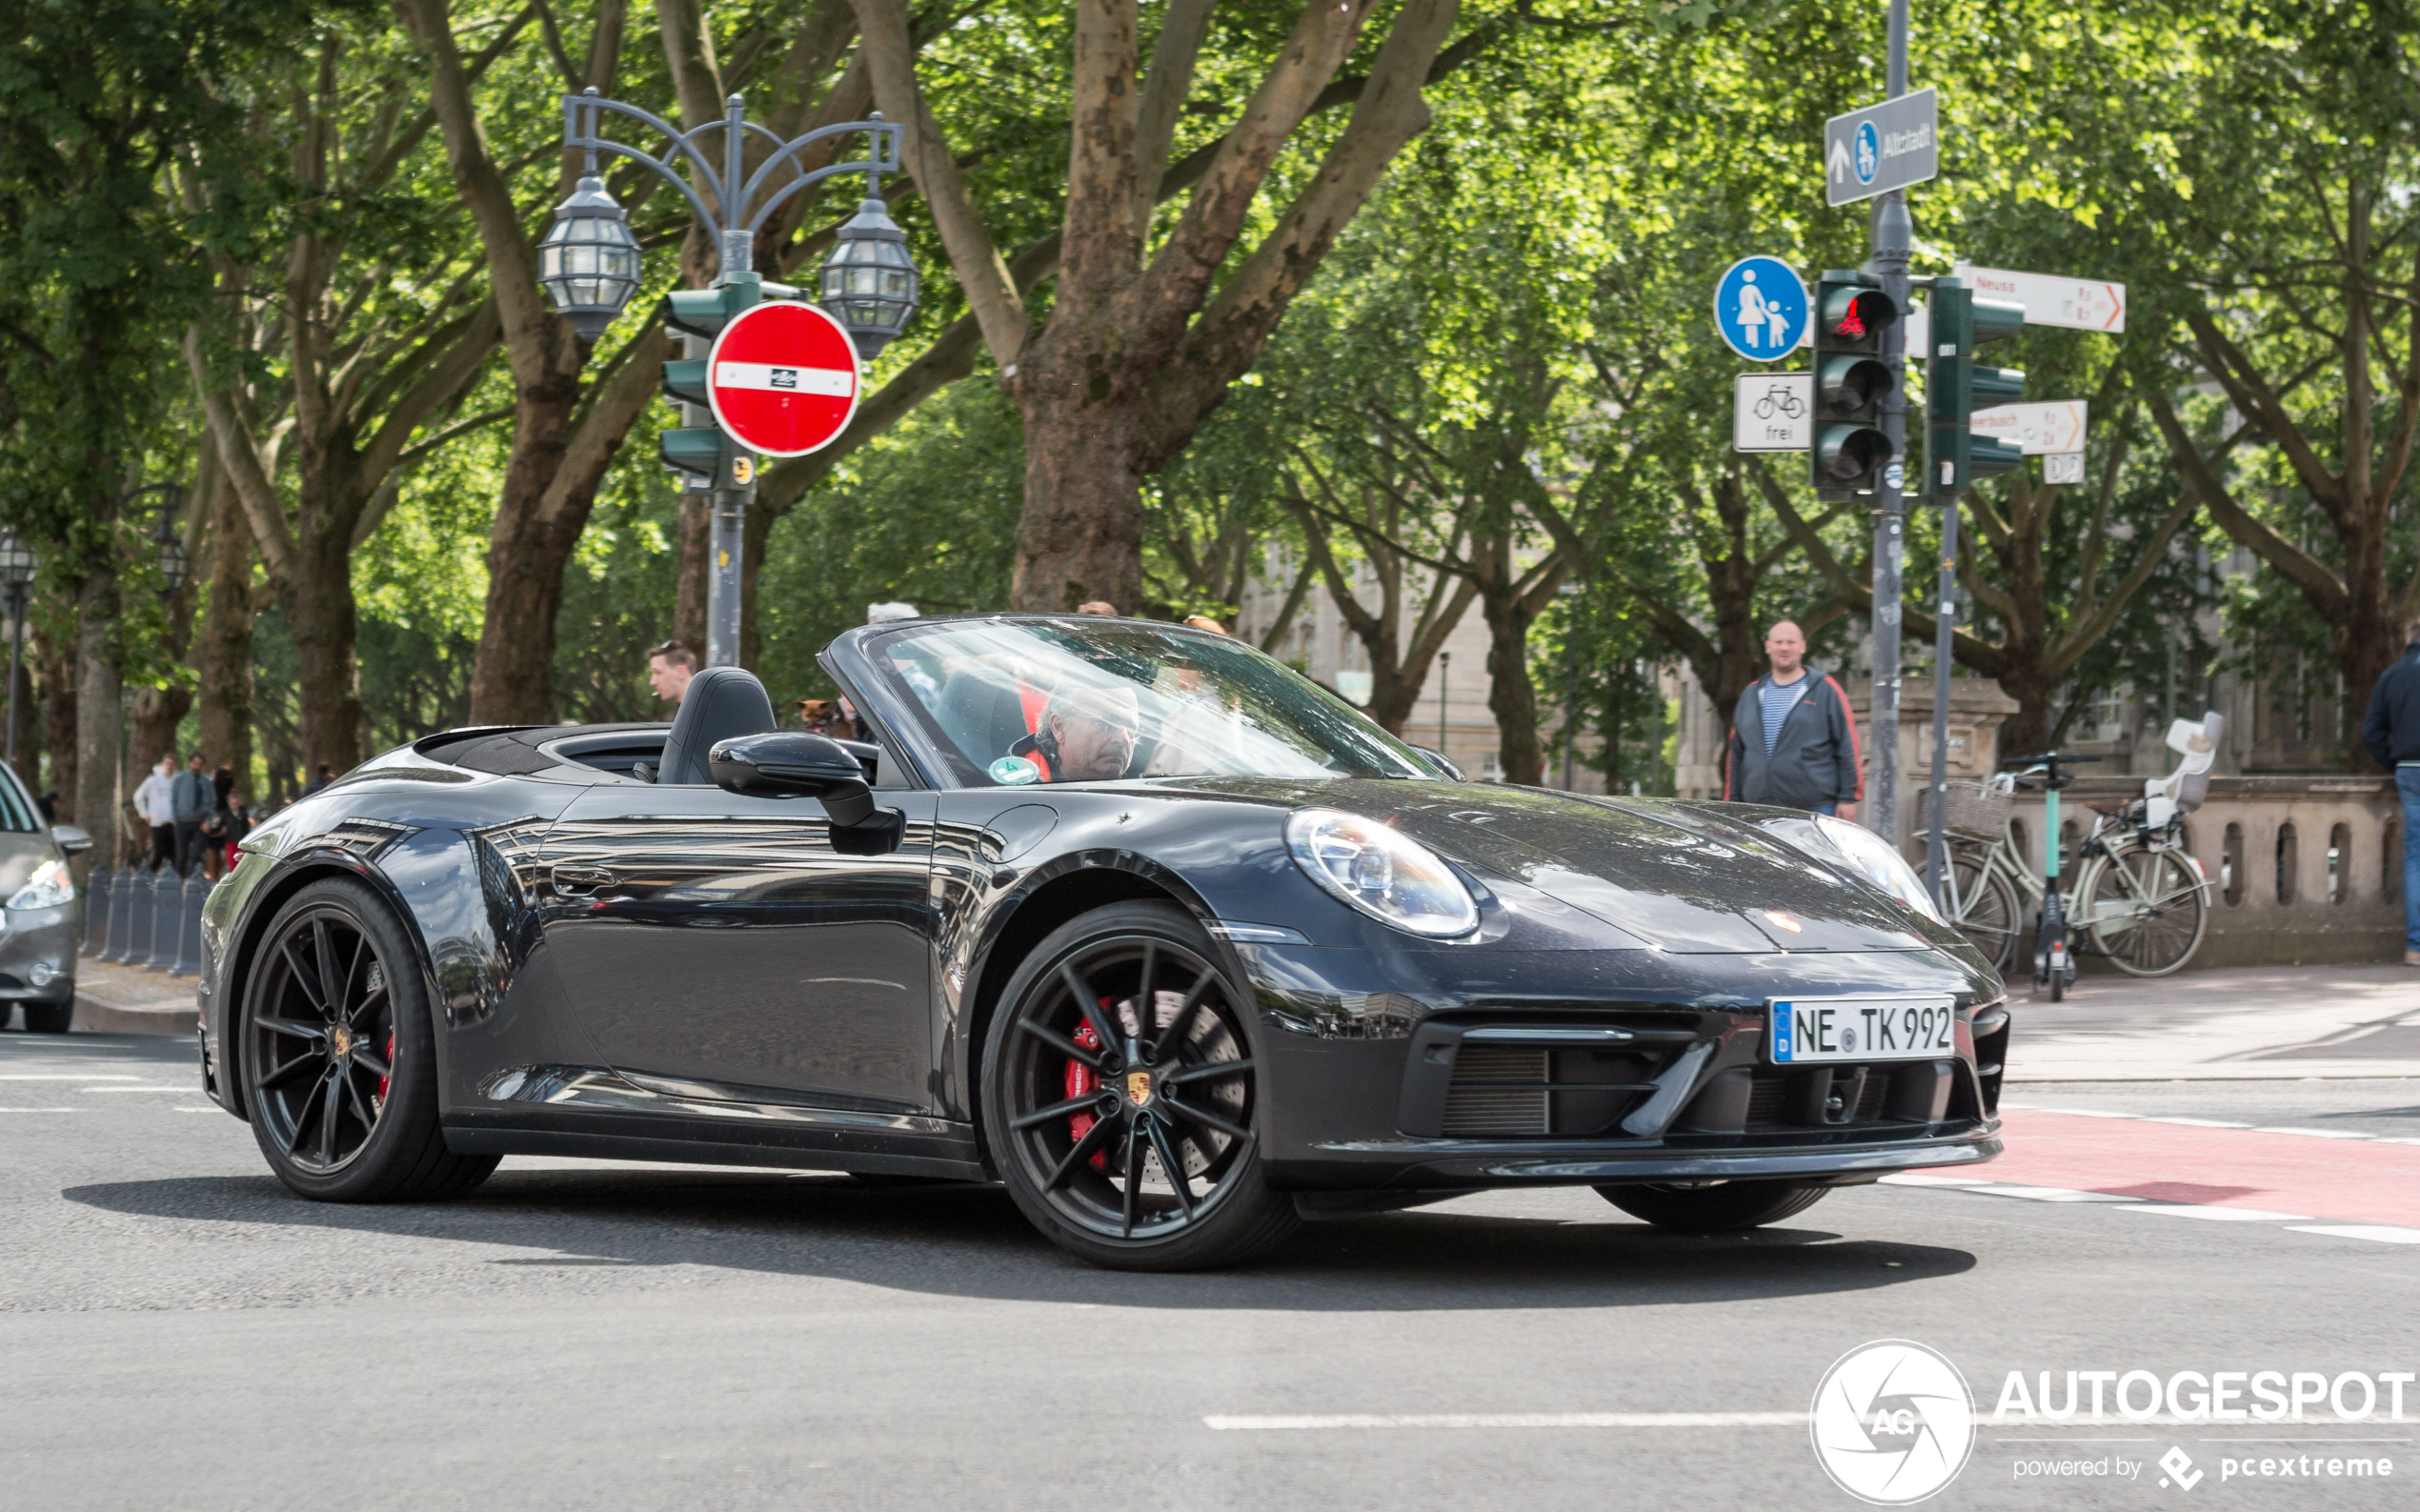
339	1060
1120	1099
1714	1209
49	1017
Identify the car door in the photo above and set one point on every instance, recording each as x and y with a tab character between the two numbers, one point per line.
724	942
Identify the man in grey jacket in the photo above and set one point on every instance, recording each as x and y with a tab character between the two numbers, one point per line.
190	798
1793	737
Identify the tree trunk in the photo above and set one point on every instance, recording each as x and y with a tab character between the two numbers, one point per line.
755	538
1081	535
513	682
57	654
694	534
28	716
1511	697
223	657
100	786
320	613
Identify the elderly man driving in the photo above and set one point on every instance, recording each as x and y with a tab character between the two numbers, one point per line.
1088	732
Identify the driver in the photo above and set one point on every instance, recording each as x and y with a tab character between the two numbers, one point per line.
1087	734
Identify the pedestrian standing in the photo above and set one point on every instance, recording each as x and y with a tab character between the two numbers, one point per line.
156	808
1793	737
2392	734
319	779
191	800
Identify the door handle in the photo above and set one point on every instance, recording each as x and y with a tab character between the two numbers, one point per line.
578	882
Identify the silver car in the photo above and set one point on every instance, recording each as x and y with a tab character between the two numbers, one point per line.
38	919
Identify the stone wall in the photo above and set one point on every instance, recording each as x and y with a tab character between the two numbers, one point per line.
2303	870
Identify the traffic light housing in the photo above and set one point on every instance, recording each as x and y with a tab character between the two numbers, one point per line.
1956	386
1851	382
698	448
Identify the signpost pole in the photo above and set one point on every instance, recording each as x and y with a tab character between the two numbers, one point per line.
727	507
1892	234
1944	632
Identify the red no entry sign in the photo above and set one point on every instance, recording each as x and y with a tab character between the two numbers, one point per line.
782	378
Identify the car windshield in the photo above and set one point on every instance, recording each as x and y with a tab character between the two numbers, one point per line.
1077	701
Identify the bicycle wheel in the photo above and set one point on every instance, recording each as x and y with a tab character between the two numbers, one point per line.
2146	909
1983	906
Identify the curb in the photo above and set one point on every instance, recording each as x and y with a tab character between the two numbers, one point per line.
100	1016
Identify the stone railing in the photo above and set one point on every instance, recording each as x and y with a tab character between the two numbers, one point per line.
2303	870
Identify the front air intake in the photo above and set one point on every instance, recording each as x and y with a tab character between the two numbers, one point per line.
1497	1090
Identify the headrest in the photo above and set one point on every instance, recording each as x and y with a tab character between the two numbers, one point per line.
721	703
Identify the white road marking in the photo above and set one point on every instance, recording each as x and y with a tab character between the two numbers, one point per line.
44	1110
2224	1215
1925	1178
71	1076
2053	1193
1288	1423
2315	1134
180	1091
2386	1232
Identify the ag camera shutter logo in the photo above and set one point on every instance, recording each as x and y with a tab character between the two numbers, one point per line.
1893	1423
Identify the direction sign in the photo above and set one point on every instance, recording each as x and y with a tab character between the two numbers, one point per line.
2039	427
1883	147
1761	309
2079	304
782	378
1773	412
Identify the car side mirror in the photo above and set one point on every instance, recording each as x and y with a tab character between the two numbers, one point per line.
1443	768
70	839
794	764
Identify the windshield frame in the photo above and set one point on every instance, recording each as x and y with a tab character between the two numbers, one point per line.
861	654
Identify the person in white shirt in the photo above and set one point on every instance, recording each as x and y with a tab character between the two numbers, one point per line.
155	805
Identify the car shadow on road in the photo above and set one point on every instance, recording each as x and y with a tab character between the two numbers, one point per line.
969	1240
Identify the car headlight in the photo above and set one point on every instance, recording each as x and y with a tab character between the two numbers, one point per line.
49	887
1878	863
1393	879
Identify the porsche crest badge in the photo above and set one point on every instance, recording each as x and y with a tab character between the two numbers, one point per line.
1139	1088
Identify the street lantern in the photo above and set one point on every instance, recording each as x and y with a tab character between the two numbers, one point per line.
869	281
17	561
589	261
168	535
175	565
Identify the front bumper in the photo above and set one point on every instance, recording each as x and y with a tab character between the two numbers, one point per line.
34	939
1595	1068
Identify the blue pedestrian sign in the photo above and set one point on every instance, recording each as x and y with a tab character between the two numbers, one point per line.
1760	306
1868	157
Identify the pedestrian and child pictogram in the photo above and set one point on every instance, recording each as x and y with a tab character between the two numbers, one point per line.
1760	306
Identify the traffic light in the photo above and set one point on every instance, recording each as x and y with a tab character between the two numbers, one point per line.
1955	386
697	449
1851	382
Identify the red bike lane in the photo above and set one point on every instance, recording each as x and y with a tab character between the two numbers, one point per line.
2359	1180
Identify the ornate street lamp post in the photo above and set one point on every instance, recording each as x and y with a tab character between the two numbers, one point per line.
589	263
17	567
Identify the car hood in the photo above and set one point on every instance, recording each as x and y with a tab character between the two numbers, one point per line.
1685	878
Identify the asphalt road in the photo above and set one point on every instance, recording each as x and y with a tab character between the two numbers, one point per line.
175	1331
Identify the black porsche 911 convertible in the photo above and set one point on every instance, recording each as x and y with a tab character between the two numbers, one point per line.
1129	917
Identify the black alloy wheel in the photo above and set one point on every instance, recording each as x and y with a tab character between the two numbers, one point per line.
1717	1209
339	1059
1120	1095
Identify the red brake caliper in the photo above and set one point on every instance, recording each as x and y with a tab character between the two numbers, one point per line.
390	1062
1080	1080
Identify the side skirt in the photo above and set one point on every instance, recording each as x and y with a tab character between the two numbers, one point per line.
488	1136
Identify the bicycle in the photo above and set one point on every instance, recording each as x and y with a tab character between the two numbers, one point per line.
2144	899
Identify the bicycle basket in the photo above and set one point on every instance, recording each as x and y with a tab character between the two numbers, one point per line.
1970	808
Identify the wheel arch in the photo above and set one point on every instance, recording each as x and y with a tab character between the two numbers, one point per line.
1067	887
294	874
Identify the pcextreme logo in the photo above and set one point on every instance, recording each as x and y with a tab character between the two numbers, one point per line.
1893	1423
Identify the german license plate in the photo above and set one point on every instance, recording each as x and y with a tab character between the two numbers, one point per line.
1811	1031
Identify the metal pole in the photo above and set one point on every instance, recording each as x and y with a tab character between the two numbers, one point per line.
1937	838
16	657
1892	234
1570	702
727	507
1445	670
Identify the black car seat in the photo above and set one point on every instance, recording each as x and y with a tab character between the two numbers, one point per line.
982	713
722	702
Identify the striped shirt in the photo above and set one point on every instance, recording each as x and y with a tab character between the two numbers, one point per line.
1779	698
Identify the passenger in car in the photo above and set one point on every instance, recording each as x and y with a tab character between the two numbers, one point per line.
1086	733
